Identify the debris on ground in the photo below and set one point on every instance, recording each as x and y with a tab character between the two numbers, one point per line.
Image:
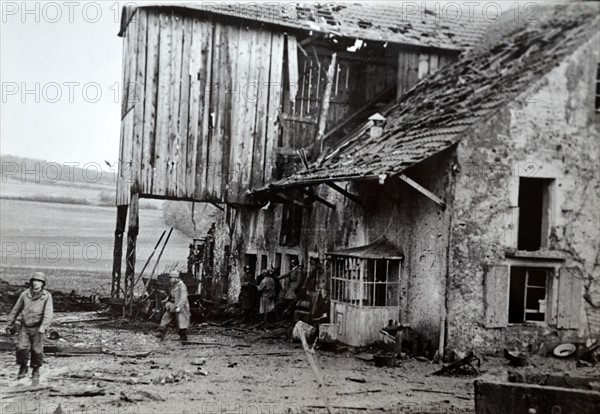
516	359
462	366
359	380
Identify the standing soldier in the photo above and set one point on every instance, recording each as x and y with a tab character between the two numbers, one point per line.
36	309
293	288
267	294
177	307
247	294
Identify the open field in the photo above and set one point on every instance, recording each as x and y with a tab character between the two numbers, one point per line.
74	243
100	194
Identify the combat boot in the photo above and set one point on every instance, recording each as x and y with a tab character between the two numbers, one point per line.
183	335
22	372
35	376
161	334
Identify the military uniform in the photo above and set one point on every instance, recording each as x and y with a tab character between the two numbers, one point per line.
177	307
36	310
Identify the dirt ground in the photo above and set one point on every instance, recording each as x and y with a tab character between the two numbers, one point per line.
244	370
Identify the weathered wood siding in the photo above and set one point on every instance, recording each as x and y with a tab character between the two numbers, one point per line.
357	80
200	107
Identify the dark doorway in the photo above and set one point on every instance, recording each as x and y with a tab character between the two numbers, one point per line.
534	212
263	262
250	260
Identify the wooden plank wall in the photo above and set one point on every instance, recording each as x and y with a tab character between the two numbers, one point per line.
408	66
355	82
203	124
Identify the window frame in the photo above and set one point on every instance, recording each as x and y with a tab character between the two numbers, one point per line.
349	283
550	318
597	90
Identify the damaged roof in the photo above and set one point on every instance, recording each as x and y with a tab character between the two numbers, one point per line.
436	113
418	24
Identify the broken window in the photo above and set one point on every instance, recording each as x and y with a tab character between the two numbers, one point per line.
528	294
291	225
428	64
597	103
365	282
534	213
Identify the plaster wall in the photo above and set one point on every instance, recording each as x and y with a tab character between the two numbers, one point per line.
550	131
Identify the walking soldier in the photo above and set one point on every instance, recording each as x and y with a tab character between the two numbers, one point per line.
36	309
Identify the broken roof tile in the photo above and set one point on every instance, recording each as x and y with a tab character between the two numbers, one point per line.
433	116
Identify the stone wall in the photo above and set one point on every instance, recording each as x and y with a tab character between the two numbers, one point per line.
551	131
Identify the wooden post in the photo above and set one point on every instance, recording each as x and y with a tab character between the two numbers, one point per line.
115	287
132	232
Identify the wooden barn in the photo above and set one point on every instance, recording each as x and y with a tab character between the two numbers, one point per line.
218	98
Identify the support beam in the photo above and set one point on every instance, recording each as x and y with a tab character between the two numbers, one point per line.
132	232
361	113
347	194
291	200
115	287
218	206
423	190
315	197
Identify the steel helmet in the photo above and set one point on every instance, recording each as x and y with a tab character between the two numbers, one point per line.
38	276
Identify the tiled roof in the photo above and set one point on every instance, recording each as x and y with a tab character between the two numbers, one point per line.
434	115
411	23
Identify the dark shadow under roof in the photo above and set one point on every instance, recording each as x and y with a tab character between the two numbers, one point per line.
379	249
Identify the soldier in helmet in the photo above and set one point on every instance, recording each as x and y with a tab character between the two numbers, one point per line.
36	309
248	294
177	307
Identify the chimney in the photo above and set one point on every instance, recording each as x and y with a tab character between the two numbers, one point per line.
378	123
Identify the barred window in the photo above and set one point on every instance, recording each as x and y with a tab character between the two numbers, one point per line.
365	282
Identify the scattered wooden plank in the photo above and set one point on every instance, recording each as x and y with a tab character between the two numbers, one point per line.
130	354
12	392
129	381
310	355
74	350
84	393
203	343
467	360
360	392
359	380
341	407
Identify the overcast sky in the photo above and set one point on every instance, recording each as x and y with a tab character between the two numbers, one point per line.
60	80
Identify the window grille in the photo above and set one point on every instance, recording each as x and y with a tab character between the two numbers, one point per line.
365	282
